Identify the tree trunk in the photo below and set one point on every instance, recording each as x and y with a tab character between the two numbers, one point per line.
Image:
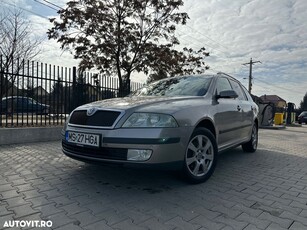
124	86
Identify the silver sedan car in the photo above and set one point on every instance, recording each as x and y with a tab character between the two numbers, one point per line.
180	122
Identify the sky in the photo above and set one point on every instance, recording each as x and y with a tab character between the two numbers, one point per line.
273	32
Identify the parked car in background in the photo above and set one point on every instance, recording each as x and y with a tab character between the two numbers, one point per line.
302	118
181	122
18	104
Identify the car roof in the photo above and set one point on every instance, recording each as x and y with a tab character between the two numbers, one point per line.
228	76
219	74
16	97
9	97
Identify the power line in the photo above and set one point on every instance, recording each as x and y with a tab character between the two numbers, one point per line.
276	86
53	4
271	90
205	44
211	51
202	44
14	5
45	5
207	37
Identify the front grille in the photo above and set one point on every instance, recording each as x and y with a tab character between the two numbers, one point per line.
100	118
101	153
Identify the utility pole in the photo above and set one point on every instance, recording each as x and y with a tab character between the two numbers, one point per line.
250	63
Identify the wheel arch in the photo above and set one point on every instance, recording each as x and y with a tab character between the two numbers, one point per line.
256	122
208	124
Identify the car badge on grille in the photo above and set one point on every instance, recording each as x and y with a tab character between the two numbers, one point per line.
91	111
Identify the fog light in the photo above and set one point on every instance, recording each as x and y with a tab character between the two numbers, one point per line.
138	154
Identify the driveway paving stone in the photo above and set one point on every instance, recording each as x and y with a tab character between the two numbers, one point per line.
262	190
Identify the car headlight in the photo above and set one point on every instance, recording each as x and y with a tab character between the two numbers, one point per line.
145	120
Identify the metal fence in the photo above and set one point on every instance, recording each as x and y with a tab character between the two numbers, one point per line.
39	94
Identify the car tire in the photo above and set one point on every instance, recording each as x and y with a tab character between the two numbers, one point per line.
200	156
251	146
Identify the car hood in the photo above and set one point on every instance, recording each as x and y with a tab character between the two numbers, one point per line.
149	103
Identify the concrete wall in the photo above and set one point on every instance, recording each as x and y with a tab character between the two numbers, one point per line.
29	135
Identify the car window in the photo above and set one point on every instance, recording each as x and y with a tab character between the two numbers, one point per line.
24	101
222	84
7	101
183	86
31	101
249	97
238	89
19	101
3	103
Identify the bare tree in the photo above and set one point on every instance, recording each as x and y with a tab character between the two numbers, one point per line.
17	44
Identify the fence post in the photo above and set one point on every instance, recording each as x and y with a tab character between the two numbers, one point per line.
1	76
74	89
1	86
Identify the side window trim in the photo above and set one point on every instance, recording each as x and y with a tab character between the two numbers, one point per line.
249	97
237	87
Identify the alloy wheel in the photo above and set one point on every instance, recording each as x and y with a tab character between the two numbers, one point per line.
199	155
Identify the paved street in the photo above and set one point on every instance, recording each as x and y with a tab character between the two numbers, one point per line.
262	190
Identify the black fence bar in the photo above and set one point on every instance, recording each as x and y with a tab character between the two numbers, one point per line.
1	86
40	94
28	89
23	89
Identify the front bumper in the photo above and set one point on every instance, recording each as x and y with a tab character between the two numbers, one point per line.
168	146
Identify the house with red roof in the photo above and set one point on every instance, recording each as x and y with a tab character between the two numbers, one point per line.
276	100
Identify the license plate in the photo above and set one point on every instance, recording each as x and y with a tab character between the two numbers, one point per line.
83	138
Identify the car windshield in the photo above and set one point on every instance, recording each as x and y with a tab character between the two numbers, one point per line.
179	86
32	101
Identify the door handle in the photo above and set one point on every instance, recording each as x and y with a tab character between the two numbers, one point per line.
239	108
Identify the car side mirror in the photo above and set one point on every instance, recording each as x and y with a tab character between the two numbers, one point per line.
227	94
